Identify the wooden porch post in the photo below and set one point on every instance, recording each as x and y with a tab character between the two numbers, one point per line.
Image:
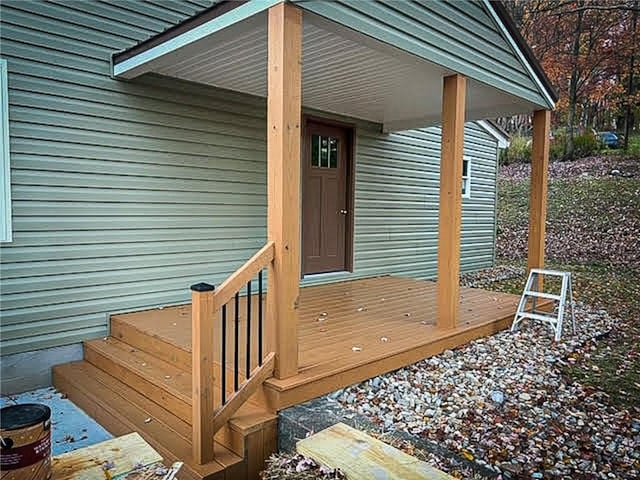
539	174
284	109
202	403
453	113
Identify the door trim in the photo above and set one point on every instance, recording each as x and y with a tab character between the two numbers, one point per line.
350	130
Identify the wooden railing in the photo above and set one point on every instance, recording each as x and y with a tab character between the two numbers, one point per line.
211	409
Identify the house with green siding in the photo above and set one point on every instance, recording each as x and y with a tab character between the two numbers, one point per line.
147	146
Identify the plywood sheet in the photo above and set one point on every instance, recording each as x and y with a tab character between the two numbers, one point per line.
122	455
363	457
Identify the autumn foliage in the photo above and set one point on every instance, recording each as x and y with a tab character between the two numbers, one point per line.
589	49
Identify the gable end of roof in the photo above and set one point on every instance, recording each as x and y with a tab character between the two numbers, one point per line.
521	43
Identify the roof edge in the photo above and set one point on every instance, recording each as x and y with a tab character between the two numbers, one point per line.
173	31
496	131
505	18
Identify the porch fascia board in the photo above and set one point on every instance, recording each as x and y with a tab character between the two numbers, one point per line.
516	43
141	62
471	115
410	124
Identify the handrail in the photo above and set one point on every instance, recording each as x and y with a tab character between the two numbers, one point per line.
244	274
207	301
247	388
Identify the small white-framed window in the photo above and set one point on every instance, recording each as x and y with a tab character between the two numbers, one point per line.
466	177
5	170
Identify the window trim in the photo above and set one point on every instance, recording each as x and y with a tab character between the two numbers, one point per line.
6	234
466	179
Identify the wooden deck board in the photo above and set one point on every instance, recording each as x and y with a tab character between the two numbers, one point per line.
391	319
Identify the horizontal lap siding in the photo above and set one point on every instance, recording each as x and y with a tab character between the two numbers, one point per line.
397	202
479	211
124	193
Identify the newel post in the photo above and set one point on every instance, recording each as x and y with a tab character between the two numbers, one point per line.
539	180
203	406
453	115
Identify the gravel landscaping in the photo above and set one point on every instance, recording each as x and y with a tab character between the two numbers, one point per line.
519	403
505	402
593	231
521	406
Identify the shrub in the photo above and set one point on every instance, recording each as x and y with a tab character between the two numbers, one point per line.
558	147
634	146
519	151
585	145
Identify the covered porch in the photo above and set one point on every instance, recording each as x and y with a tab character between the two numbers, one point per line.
396	65
347	332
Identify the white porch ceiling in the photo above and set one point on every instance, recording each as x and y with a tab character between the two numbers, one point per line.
344	72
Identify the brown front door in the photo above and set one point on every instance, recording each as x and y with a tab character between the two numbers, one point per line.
325	215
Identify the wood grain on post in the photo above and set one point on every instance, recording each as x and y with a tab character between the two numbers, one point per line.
539	178
203	405
453	117
284	105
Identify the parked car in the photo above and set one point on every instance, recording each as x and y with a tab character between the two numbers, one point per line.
609	140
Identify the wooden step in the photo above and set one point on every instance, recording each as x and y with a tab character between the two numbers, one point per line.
168	386
150	332
166	334
122	410
165	384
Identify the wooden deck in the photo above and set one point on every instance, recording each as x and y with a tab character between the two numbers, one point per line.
348	332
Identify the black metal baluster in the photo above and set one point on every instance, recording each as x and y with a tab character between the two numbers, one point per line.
224	354
237	345
260	318
248	352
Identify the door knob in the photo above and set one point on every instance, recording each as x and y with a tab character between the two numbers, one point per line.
343	212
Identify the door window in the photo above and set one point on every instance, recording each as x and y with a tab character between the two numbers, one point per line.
324	151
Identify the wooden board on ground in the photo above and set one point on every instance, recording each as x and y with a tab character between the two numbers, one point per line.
123	455
360	456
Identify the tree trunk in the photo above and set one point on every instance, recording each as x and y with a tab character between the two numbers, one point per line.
629	117
573	85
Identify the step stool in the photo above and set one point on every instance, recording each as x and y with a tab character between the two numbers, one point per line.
532	292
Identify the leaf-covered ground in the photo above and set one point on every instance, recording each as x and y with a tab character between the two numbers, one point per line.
593	219
593	230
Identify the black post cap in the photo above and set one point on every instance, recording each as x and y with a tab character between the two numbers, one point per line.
202	287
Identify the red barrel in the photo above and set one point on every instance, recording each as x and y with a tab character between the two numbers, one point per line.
25	442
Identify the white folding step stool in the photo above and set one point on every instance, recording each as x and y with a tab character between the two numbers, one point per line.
531	292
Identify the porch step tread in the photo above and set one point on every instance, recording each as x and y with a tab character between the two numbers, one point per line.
156	379
169	325
168	385
163	374
121	410
158	343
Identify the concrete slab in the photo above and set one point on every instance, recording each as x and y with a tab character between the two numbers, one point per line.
24	372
